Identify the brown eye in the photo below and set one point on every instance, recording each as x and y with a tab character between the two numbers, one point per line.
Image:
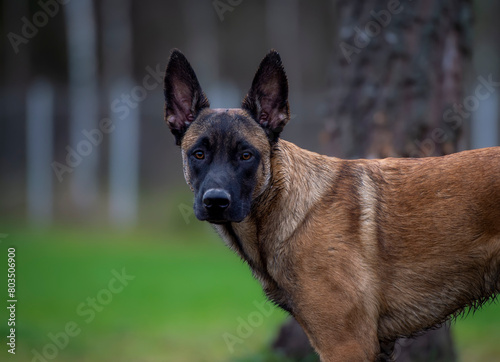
200	155
245	156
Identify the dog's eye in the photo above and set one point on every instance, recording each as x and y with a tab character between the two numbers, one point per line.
245	156
200	155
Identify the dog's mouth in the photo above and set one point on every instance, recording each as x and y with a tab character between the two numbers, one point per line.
218	222
219	218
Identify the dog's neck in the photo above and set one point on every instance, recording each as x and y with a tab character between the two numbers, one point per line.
317	178
260	238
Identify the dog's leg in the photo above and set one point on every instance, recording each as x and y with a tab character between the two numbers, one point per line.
340	331
336	302
334	344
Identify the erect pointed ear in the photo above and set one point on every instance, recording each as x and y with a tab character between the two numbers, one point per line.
267	100
184	98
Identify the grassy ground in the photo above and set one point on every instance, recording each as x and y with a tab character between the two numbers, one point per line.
187	298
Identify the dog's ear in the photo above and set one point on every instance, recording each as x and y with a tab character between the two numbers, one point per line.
184	98
267	100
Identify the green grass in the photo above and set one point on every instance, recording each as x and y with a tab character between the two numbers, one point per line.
188	292
477	336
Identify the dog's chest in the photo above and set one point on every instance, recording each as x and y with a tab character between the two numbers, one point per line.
265	263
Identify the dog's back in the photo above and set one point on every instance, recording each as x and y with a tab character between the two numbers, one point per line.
437	231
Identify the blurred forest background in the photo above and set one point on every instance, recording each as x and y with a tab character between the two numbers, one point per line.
91	182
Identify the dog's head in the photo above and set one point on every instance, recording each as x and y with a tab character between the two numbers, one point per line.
226	152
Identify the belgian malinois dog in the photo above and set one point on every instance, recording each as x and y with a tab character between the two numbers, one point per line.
360	252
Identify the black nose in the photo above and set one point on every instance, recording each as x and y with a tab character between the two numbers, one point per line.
216	199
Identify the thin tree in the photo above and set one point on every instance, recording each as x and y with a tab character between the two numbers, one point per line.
124	101
84	100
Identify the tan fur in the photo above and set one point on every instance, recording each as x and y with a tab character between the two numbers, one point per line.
365	251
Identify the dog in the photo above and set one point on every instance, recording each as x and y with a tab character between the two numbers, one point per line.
360	252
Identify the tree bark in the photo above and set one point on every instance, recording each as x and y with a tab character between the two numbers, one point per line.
397	84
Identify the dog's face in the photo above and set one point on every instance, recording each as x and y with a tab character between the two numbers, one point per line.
226	152
226	161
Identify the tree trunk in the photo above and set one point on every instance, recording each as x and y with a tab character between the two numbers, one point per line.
39	136
84	102
283	28
485	125
396	91
398	81
124	139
